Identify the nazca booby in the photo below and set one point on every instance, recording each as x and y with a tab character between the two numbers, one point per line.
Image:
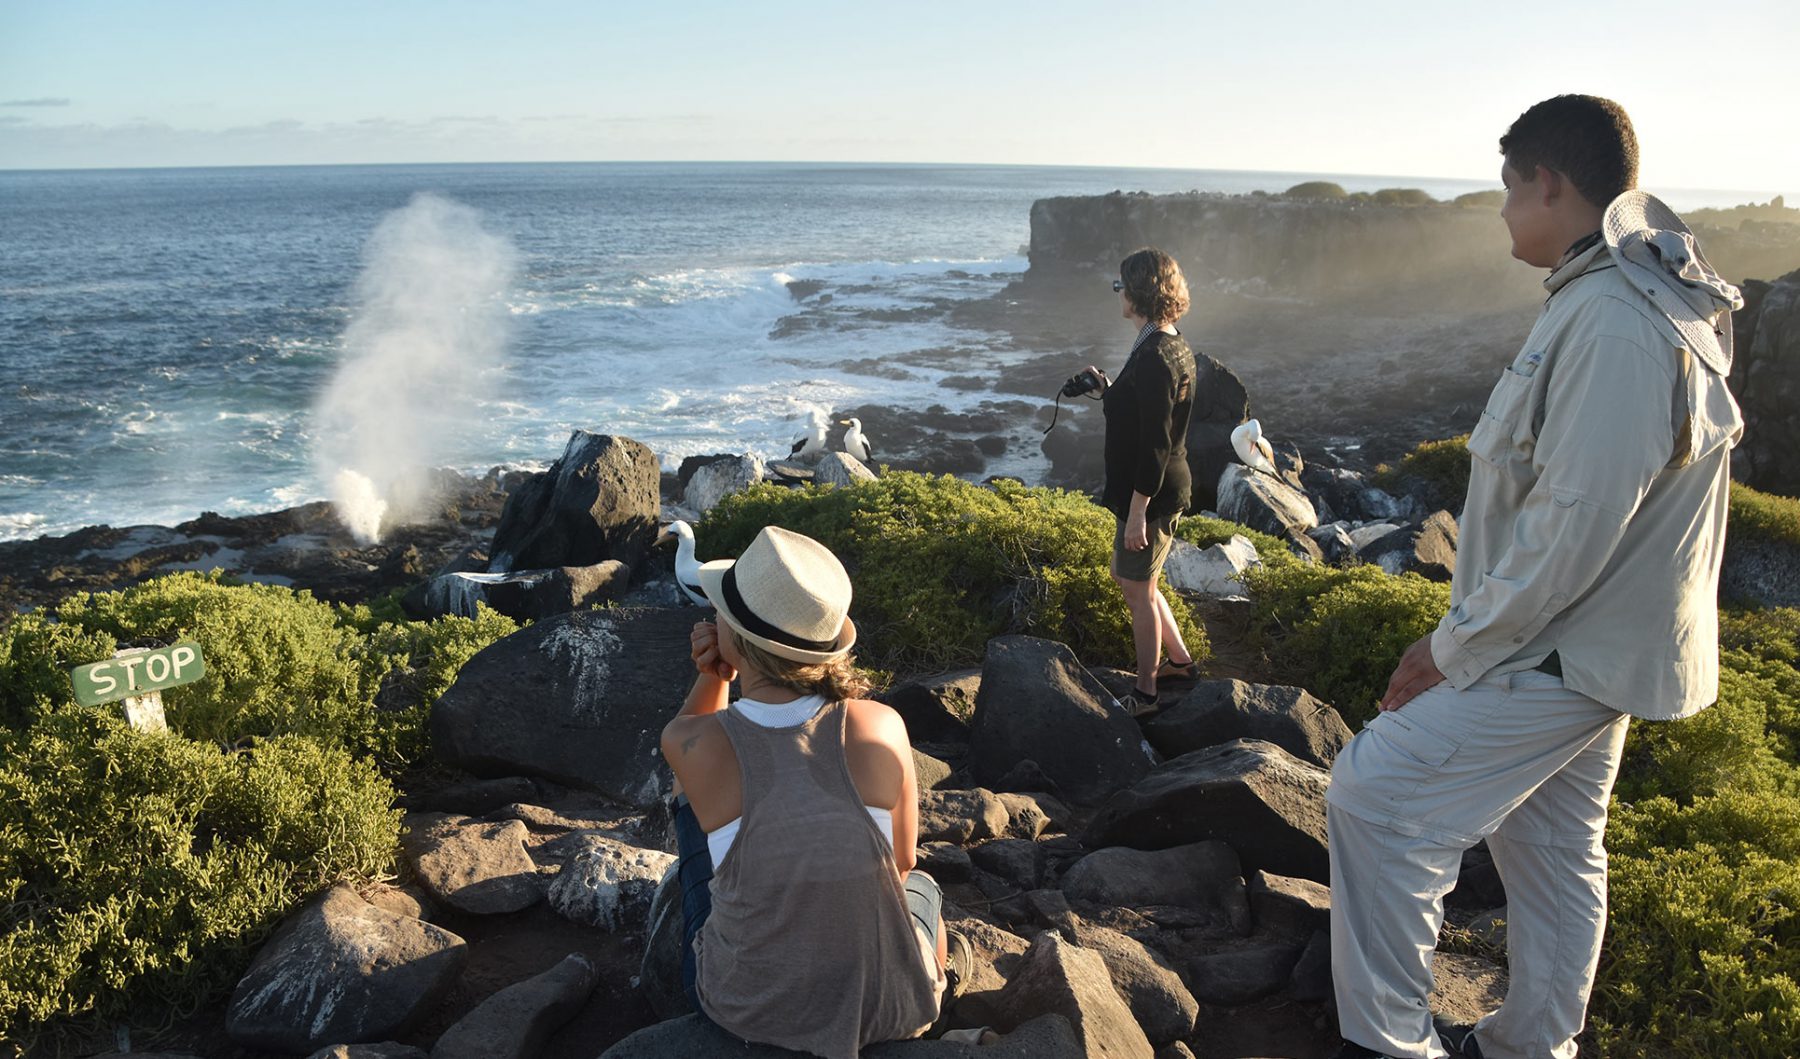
687	567
812	442
1254	449
856	443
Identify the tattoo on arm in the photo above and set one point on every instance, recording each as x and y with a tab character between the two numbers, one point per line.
688	744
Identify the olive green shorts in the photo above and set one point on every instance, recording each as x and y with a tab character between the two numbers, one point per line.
1146	564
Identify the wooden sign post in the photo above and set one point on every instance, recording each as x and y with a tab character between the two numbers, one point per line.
138	676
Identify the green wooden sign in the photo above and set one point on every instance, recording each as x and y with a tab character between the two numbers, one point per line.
138	673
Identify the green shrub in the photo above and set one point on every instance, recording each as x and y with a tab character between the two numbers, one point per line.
941	565
1339	631
1317	189
1764	517
1493	199
138	870
1204	532
1435	471
1402	197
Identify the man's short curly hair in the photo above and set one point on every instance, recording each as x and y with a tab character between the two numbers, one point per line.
1154	286
1585	138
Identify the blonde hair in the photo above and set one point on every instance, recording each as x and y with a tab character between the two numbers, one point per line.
836	679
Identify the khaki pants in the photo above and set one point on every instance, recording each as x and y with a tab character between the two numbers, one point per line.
1521	761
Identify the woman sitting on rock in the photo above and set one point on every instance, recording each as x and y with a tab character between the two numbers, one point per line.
798	803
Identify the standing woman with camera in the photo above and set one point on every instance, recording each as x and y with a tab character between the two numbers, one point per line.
1147	481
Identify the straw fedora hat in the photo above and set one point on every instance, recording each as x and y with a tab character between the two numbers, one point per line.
1657	252
787	594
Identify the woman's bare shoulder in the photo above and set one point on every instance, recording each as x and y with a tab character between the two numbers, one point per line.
874	721
687	736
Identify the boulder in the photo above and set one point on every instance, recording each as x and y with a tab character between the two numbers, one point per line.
580	699
1220	404
1030	815
607	884
474	797
1310	980
1057	978
516	1022
1148	982
523	595
1284	904
718	479
1265	803
1204	877
410	900
474	866
1016	860
1211	571
928	770
1428	549
1241	973
938	708
946	861
599	500
659	976
841	469
1765	378
1264	502
1218	711
691	1037
1334	542
341	970
1036	701
961	816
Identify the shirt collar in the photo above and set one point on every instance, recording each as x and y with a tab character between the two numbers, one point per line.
1581	256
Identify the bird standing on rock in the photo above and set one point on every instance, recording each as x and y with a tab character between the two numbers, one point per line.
687	567
856	443
812	442
1254	449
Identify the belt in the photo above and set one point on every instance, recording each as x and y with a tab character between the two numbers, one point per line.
1552	664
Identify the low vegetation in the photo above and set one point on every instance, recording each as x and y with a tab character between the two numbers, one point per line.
1491	199
1437	472
942	565
1323	190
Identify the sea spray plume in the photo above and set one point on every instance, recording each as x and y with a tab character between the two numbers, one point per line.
429	319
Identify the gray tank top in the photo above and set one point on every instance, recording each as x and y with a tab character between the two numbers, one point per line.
809	945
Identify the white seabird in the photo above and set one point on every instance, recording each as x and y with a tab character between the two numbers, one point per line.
687	568
856	443
1254	449
812	442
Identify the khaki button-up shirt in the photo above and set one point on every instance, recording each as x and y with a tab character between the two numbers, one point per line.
1595	521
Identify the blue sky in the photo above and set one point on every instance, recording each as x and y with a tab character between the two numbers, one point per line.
1373	87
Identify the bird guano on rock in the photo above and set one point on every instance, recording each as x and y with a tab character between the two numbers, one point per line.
1254	449
687	567
856	443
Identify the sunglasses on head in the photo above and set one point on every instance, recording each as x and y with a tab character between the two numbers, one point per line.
1118	285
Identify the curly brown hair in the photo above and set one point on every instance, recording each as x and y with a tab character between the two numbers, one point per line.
1586	138
836	679
1154	286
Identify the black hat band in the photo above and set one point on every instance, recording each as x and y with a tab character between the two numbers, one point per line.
748	618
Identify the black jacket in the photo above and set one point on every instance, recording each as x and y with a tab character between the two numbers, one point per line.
1147	409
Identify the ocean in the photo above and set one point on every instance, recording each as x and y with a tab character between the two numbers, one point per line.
181	340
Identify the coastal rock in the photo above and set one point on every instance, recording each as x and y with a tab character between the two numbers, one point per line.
1428	549
1058	978
1211	571
841	469
580	699
1266	803
524	595
599	500
1765	378
961	816
928	770
473	866
1038	702
936	708
1218	711
1220	404
474	797
1019	861
607	884
719	479
342	970
516	1022
659	976
1204	877
1334	542
1310	980
691	1037
1284	904
1264	502
1148	982
1241	973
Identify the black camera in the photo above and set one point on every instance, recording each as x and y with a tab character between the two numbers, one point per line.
1081	382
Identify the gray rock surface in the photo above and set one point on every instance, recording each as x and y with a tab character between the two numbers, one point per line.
1240	973
841	469
1428	549
1148	982
1218	711
1203	876
719	479
580	699
472	865
607	884
690	1037
1265	803
1765	378
1264	502
1018	861
599	500
524	595
1056	977
1288	905
659	976
342	970
516	1022
1038	702
936	708
961	816
1212	571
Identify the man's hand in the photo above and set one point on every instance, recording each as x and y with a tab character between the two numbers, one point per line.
704	649
1417	671
1137	533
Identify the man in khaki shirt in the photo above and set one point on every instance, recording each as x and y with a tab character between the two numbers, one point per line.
1585	594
